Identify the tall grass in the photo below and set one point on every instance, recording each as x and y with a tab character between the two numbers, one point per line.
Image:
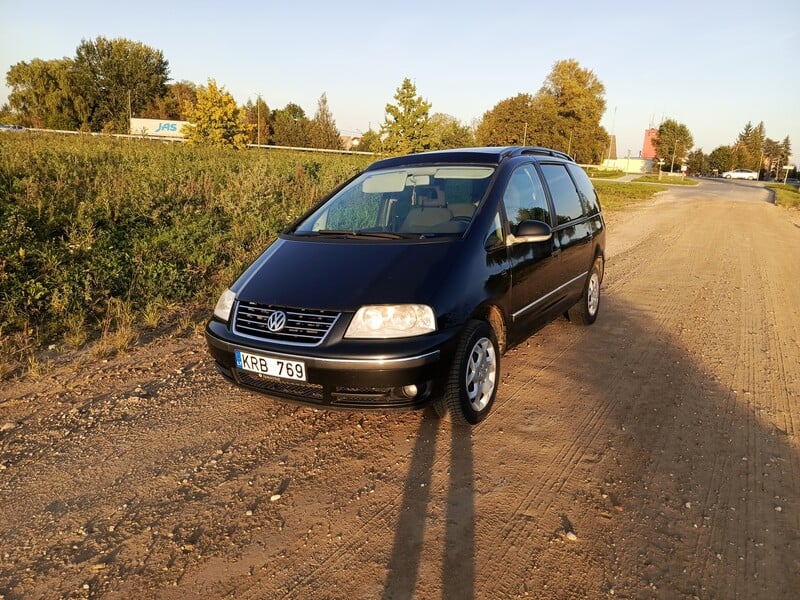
94	228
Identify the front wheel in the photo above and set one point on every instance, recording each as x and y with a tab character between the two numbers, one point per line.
584	312
474	376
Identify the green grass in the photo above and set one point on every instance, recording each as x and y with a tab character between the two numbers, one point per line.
786	195
620	195
665	180
604	173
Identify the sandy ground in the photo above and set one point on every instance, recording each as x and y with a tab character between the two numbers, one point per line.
653	455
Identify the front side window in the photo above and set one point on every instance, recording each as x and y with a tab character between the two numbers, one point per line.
524	198
409	202
566	201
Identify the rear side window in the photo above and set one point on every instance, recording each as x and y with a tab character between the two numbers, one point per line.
566	201
586	190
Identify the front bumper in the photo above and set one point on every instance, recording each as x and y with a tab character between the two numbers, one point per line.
367	375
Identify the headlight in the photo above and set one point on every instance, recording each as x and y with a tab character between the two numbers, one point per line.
224	305
392	321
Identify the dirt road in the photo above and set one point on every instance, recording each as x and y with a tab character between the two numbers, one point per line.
653	455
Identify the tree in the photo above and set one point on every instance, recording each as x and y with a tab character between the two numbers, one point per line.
721	159
406	128
7	115
568	108
749	147
117	78
448	132
572	102
215	119
370	141
322	129
697	162
257	118
290	126
171	104
777	156
673	142
42	92
564	114
508	122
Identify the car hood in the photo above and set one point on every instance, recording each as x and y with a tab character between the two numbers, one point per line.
343	275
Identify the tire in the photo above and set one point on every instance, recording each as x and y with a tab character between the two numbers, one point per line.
474	376
585	310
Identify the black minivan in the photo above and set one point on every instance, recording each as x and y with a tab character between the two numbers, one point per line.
404	286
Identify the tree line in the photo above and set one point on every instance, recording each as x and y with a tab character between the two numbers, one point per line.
752	150
109	81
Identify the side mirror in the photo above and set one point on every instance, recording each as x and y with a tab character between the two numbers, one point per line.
531	232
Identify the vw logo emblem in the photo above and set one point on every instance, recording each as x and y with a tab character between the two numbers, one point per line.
276	321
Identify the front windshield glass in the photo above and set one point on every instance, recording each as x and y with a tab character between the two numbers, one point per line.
410	202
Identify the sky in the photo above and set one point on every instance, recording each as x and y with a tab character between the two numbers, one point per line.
712	66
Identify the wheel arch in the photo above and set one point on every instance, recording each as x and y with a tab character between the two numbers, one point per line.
492	315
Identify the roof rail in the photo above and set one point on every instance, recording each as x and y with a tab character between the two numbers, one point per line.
546	152
506	153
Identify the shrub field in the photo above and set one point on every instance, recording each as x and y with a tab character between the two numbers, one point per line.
100	237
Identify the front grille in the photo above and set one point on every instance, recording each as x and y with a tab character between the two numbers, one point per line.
302	328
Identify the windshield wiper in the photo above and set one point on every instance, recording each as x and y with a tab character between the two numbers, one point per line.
350	233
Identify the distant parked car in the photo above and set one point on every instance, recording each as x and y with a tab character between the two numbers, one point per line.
18	128
740	174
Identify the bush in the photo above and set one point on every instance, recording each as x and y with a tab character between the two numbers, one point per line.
89	222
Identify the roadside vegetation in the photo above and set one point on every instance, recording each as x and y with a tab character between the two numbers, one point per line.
665	180
597	173
786	195
102	238
619	195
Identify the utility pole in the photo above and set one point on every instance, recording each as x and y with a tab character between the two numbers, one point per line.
674	149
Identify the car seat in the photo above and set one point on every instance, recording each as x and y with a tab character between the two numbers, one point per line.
430	209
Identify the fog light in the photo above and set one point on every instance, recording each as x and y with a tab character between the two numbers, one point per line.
410	391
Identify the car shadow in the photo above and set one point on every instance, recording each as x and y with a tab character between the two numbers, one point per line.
458	563
680	440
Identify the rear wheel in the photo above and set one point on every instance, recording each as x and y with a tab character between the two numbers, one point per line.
474	376
584	312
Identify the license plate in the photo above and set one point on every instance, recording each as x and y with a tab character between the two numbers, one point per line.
274	367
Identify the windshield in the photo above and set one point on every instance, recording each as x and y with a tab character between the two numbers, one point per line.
410	202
